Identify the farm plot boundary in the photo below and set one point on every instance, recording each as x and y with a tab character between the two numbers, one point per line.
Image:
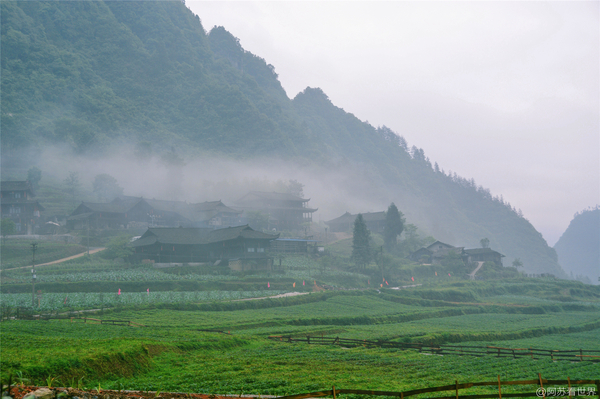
533	353
567	389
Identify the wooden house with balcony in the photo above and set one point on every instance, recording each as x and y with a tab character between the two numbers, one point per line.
286	211
18	204
241	247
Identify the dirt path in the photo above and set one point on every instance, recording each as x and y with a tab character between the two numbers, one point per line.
274	296
472	275
92	251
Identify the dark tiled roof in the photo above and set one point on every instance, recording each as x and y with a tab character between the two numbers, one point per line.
231	233
208	210
435	245
197	236
181	208
350	218
254	195
479	251
80	216
108	207
16	186
441	253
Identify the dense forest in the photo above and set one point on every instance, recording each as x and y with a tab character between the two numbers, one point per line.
90	76
579	247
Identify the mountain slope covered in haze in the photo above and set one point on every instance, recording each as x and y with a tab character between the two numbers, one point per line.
578	248
93	75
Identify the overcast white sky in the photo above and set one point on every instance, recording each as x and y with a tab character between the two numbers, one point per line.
504	92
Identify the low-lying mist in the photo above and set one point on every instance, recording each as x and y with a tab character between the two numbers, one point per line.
199	178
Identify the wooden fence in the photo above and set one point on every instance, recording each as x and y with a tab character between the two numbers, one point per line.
461	350
113	322
568	387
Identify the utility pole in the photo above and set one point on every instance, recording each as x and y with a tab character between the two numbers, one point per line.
88	238
33	248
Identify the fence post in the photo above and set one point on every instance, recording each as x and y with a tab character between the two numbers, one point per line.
456	382
333	390
569	381
499	388
542	386
580	355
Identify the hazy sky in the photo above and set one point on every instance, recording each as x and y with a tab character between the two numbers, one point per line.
504	92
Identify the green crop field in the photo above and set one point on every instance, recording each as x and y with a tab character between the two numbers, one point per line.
175	349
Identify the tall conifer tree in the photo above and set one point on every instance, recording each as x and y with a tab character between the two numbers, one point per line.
361	247
394	225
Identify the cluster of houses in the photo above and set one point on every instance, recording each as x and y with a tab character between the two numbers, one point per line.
181	232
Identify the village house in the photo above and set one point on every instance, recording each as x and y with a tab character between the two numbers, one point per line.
438	251
483	255
285	211
375	222
294	246
241	247
126	211
17	204
217	214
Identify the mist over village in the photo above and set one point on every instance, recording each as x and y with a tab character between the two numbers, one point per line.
183	218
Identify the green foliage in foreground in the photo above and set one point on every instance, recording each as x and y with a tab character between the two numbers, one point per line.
175	353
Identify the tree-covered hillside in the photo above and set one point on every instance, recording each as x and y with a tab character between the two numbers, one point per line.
579	247
92	75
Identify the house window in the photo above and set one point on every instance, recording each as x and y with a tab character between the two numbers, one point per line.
17	195
15	209
250	249
260	250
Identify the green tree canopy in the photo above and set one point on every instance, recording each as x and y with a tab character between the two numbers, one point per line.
34	175
361	246
7	228
485	243
106	187
258	220
394	225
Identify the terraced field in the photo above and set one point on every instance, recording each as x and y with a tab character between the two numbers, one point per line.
176	352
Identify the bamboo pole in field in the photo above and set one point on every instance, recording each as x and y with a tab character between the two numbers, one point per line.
569	380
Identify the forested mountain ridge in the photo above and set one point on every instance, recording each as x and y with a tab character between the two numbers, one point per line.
92	74
579	246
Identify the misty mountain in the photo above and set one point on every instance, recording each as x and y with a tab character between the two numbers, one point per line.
578	248
94	76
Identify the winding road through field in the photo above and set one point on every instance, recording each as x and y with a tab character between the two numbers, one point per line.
92	251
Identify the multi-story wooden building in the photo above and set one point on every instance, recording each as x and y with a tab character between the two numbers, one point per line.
18	205
286	211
